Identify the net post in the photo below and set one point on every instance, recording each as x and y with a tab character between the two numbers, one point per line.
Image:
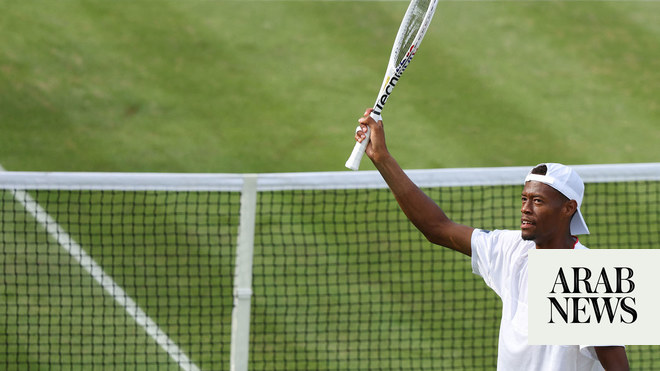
240	328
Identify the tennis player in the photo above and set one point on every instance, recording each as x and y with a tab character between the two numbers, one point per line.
551	218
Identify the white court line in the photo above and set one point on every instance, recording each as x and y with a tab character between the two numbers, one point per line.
85	261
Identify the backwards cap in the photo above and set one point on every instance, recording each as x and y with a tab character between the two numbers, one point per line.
567	182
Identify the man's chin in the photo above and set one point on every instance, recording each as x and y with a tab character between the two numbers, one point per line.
527	236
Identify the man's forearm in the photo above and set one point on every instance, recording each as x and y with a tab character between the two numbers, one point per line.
422	211
613	358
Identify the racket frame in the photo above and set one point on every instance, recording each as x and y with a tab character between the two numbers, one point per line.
395	69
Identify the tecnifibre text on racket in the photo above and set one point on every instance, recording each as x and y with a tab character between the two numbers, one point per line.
411	32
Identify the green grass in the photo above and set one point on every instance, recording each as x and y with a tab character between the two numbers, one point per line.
271	86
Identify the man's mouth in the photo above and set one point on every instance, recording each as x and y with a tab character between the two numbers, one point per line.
526	224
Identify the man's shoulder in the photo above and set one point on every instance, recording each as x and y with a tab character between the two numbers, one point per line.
505	240
499	235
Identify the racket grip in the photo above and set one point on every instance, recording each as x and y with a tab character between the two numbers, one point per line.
353	162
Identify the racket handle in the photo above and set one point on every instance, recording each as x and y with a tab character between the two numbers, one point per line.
353	162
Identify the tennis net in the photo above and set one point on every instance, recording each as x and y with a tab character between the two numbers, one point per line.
308	271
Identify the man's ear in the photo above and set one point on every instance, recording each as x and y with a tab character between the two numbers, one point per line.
570	207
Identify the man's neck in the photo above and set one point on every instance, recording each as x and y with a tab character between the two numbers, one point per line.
564	243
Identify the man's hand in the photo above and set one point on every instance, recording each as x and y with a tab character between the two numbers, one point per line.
377	149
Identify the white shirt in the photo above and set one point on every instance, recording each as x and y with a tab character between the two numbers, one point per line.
500	258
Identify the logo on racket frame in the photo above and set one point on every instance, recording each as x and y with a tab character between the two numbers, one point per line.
380	103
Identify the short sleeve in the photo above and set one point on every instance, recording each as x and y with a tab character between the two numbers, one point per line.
484	254
492	254
481	253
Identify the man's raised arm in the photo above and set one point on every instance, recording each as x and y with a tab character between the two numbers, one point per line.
422	211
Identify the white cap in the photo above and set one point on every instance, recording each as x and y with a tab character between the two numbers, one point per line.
567	182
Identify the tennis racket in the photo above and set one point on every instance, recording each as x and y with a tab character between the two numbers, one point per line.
411	32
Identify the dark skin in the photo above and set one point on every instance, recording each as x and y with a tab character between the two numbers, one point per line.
545	216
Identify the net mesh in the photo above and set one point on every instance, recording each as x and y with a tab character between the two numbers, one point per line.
170	252
341	280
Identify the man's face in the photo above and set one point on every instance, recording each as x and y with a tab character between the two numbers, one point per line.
541	210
